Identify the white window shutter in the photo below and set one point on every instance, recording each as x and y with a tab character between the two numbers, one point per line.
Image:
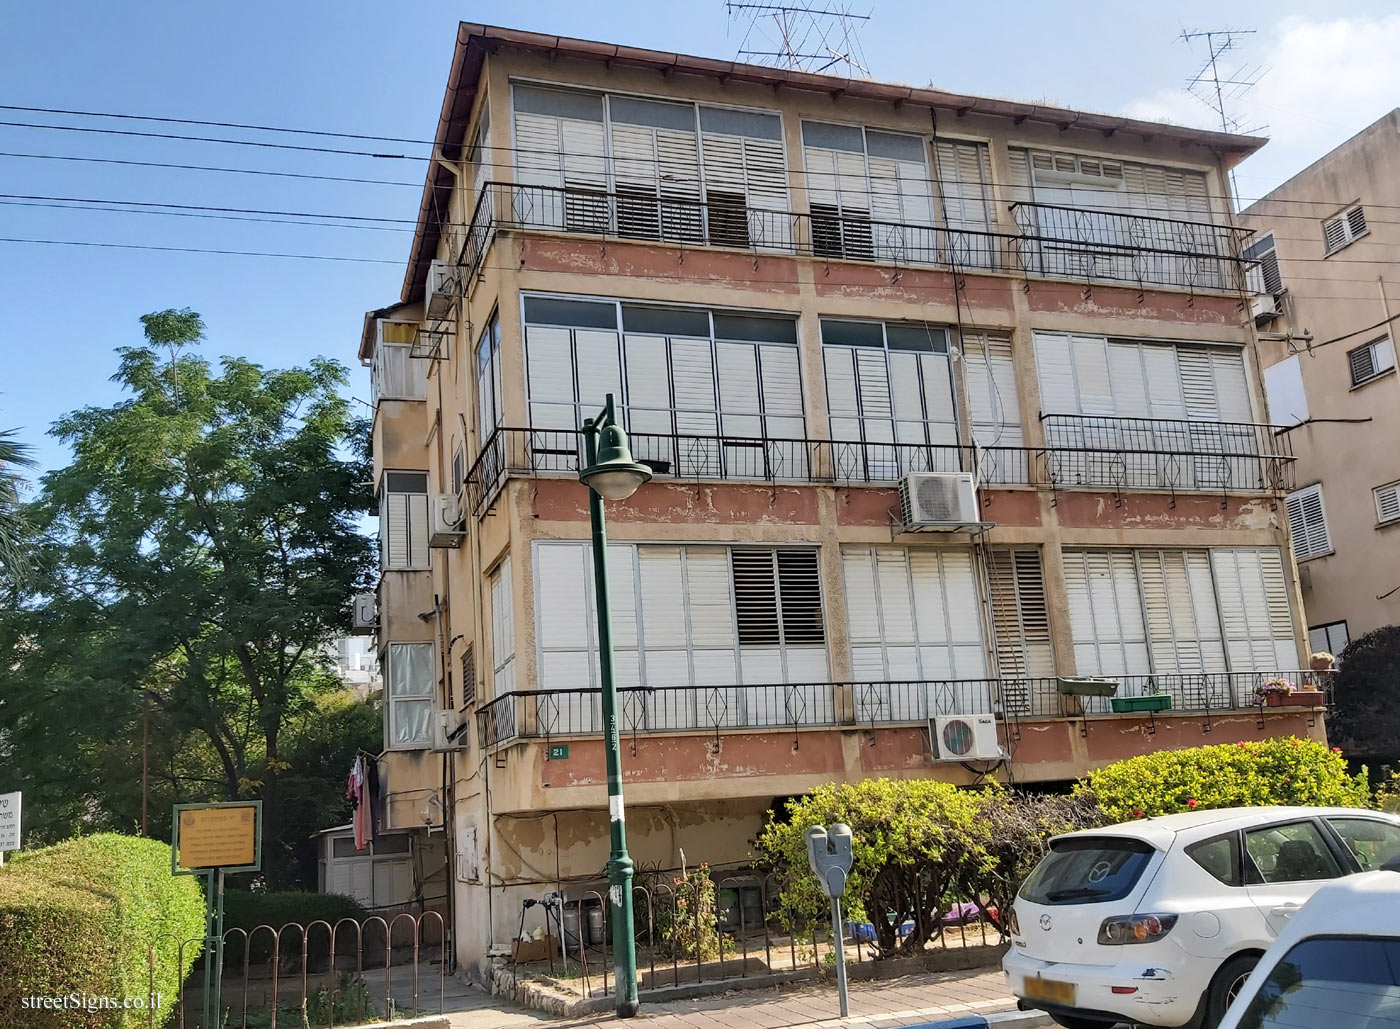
418	530
1055	367
1307	520
994	403
395	529
1388	502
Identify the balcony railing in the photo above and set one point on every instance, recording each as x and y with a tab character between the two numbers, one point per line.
1213	457
547	714
1050	241
1087	244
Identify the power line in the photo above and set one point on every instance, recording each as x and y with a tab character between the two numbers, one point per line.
215	168
203	215
210	139
205	207
198	250
1358	332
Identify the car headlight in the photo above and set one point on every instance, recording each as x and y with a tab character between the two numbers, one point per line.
1123	929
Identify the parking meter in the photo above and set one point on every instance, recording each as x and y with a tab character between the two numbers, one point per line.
829	855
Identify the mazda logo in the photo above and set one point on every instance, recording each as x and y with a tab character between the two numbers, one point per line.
1045	922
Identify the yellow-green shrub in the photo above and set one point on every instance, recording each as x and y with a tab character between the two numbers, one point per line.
1286	770
77	918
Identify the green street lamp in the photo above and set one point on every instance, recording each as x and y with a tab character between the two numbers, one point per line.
611	474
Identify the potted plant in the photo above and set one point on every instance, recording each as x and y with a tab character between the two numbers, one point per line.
1086	685
1321	661
1154	700
1280	692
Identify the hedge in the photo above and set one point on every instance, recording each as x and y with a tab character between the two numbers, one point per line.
246	910
77	918
1285	770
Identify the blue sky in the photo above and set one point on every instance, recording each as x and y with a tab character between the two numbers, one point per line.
380	68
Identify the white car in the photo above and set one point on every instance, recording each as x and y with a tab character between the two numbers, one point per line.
1336	965
1160	921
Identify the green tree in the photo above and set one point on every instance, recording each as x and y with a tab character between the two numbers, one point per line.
14	456
193	558
1366	695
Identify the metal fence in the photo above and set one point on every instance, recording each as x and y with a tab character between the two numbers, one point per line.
701	926
1117	453
316	976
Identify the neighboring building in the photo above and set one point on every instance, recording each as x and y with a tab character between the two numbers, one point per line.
803	290
354	661
1328	254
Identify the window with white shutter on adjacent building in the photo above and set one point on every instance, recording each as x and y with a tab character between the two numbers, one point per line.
704	394
889	391
502	630
403	521
869	193
1137	413
1371	360
915	627
1387	502
1307	523
1343	228
747	619
410	678
1262	275
1020	623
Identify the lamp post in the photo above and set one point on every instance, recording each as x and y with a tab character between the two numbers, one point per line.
611	474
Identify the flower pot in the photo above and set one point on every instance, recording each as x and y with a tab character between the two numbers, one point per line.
1299	698
1152	702
1086	686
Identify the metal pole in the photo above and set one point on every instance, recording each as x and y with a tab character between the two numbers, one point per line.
619	864
208	955
219	949
839	939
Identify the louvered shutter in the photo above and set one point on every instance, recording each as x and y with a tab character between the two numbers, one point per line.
502	629
1091	375
549	361
755	598
863	614
539	162
1105	607
1307	520
1183	629
991	389
394	519
693	383
736	366
1334	232
649	416
1055	368
1020	615
598	367
666	656
564	615
964	176
1356	221
842	394
1254	607
585	176
1388	502
782	392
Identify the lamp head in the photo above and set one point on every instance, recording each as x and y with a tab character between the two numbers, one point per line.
614	475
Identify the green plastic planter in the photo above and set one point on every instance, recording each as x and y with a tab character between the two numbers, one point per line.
1155	702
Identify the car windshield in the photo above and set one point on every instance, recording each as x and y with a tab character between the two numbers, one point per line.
1087	870
1342	982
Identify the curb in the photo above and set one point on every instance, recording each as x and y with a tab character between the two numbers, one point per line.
995	1020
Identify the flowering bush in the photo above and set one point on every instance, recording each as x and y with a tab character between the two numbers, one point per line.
1276	685
1286	770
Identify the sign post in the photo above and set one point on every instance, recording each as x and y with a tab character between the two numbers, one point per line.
9	823
211	840
829	855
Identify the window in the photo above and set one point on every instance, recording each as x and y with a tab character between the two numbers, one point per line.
459	467
410	678
653	156
488	381
1387	502
964	173
869	193
1371	841
1088	869
990	377
1347	982
705	394
889	388
403	521
1290	853
914	616
1307	521
1020	614
396	374
1283	389
502	630
1220	857
1178	611
1263	277
1125	412
468	676
1331	638
1371	361
1342	229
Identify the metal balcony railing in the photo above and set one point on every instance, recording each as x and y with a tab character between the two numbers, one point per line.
1105	453
1087	244
548	714
1050	240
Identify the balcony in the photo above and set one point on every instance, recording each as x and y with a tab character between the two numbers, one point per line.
550	714
1096	453
1049	241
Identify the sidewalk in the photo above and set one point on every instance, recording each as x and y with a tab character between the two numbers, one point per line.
905	1001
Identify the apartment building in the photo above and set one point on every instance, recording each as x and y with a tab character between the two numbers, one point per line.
1327	285
946	398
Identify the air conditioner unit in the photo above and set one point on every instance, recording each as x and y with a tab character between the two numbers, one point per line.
939	500
447	731
441	292
1264	307
445	521
965	738
364	617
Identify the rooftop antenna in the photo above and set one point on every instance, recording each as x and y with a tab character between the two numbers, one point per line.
800	35
1218	91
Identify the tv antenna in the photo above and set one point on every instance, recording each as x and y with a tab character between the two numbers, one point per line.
1217	90
800	35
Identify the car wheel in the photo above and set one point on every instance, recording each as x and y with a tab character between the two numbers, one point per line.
1225	986
1071	1022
